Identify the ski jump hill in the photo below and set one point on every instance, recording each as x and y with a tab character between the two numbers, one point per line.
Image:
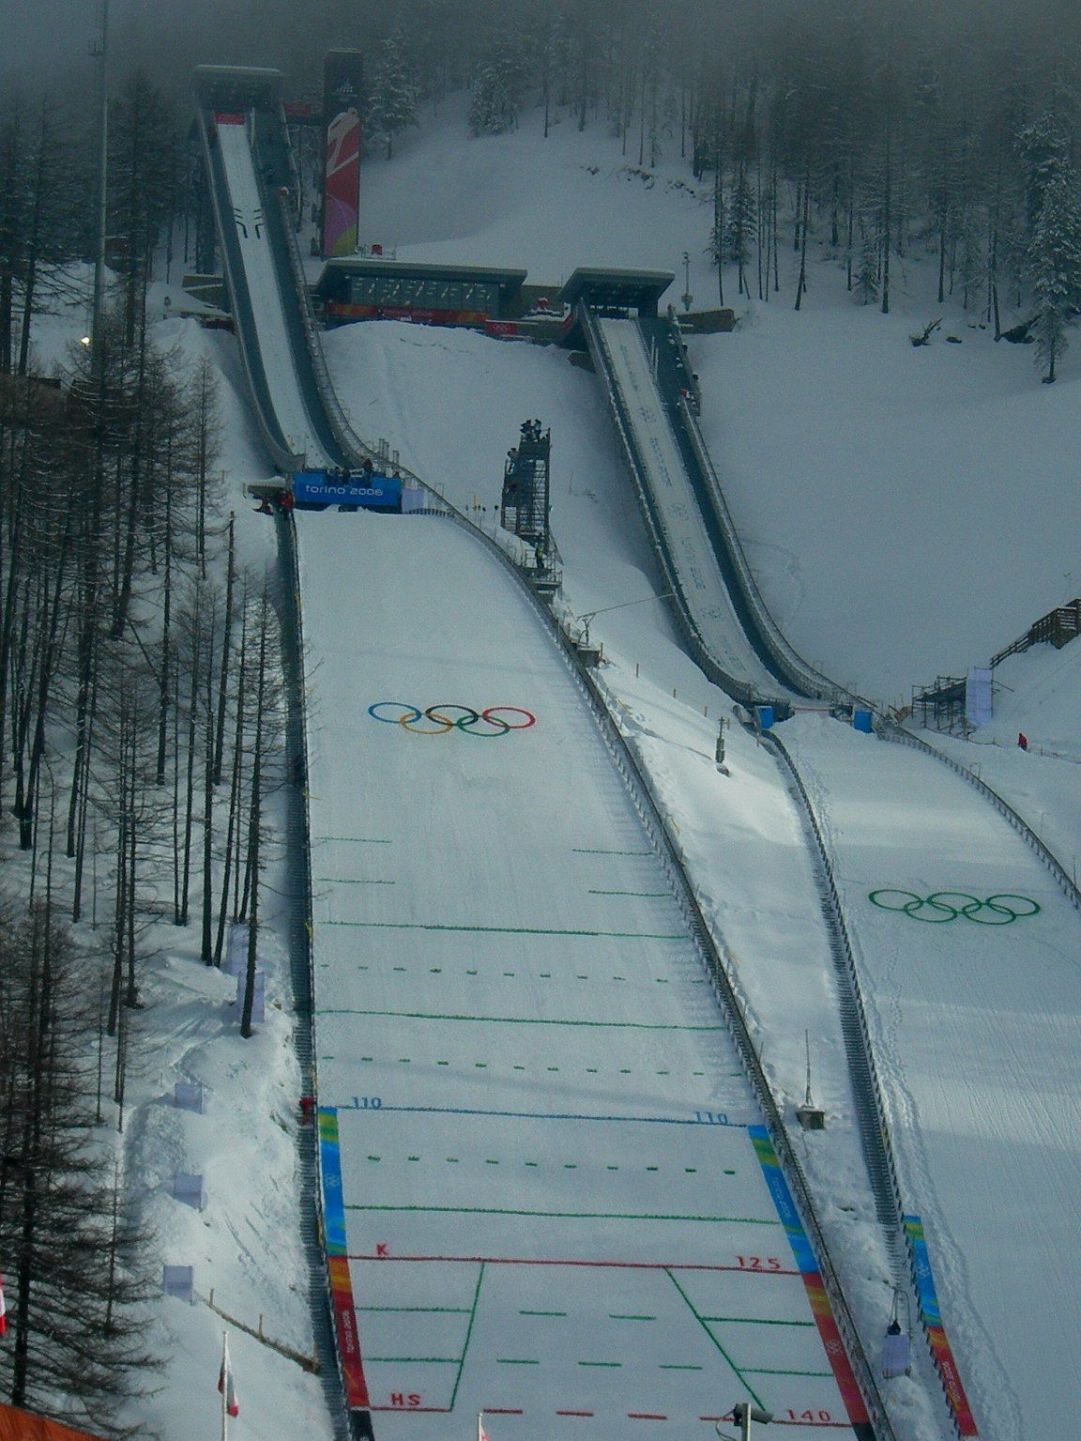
554	1185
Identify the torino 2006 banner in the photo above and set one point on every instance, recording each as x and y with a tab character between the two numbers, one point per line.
343	77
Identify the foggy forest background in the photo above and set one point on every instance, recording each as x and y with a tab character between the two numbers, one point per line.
140	700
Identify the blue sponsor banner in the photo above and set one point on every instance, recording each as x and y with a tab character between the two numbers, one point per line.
921	1265
331	1167
325	487
782	1199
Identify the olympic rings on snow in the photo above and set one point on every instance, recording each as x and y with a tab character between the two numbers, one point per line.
438	719
938	908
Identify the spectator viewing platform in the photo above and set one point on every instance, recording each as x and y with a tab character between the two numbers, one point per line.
371	287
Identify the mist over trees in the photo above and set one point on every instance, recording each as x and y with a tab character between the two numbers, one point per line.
874	131
871	133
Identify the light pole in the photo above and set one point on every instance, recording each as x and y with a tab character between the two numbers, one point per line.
100	50
686	297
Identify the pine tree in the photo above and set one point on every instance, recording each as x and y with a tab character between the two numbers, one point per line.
393	91
1055	262
496	100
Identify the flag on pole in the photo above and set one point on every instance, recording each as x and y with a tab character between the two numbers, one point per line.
3	1309
482	1435
226	1384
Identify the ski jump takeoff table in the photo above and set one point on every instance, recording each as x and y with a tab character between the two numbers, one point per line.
542	1198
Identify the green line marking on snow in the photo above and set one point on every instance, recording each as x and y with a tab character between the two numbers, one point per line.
515	1361
511	930
609	1365
468	1334
618	1316
417	1360
355	840
754	1321
420	1310
648	895
512	1021
672	1366
780	1371
542	1313
753	1393
597	851
350	881
563	1215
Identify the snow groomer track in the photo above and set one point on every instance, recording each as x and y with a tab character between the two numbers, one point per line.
558	1202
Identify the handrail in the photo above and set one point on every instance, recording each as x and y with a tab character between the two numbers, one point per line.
803	676
700	651
302	957
722	972
869	1095
875	1095
1044	629
890	730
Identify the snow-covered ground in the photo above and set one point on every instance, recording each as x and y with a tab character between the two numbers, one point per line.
907	513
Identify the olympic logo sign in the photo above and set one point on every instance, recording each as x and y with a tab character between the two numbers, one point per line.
940	907
437	720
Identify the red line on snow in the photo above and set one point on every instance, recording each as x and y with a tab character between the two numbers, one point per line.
569	1261
414	1410
780	1421
574	1413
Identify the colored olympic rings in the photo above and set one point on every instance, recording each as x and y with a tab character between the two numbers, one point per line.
437	720
939	907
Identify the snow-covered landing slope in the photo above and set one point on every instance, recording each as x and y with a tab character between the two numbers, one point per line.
552	1207
977	1032
274	346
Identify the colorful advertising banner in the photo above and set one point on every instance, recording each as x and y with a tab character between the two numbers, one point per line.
343	78
931	1317
327	487
341	1286
812	1280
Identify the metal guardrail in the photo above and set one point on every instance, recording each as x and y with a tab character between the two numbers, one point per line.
801	676
298	828
718	965
722	973
700	651
893	732
867	1089
1058	626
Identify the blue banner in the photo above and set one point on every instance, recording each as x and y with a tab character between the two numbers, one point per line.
331	1166
328	487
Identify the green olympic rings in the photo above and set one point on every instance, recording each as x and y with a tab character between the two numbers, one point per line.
938	908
